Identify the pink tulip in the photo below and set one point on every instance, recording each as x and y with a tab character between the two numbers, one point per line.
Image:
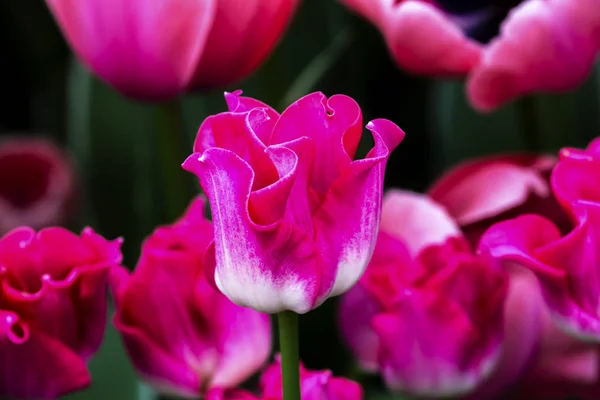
542	45
479	192
182	336
37	184
566	265
53	288
295	217
314	385
428	313
155	51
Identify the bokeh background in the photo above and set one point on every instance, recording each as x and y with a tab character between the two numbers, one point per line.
118	149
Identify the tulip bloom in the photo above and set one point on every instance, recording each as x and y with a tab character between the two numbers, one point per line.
428	313
314	385
182	335
542	45
479	192
295	215
52	309
37	184
155	51
566	265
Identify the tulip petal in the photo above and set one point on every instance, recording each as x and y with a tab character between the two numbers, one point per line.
38	366
423	40
544	45
148	52
358	192
234	50
239	132
566	267
485	188
335	126
357	309
575	180
241	272
436	340
416	220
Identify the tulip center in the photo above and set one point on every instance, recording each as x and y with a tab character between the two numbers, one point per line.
24	178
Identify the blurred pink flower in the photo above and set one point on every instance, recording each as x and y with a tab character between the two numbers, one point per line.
295	215
314	385
182	336
155	51
566	265
428	313
53	288
479	192
542	45
37	184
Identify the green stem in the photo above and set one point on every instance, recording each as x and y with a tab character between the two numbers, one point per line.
290	356
173	150
528	120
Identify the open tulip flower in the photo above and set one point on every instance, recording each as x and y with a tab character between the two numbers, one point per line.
295	216
156	50
182	335
567	266
53	287
428	312
542	45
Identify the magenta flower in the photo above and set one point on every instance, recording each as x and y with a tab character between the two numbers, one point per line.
542	45
295	217
479	192
157	51
314	385
37	184
565	265
429	314
183	336
52	309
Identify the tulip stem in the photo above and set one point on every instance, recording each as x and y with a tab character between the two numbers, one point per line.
290	356
173	150
530	130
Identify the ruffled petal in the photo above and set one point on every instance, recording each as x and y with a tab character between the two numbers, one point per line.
416	220
266	267
544	45
37	366
135	48
349	242
335	126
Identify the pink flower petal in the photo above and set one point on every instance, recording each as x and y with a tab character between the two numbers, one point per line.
37	365
234	50
486	187
420	37
145	52
358	192
335	126
416	220
543	46
244	273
